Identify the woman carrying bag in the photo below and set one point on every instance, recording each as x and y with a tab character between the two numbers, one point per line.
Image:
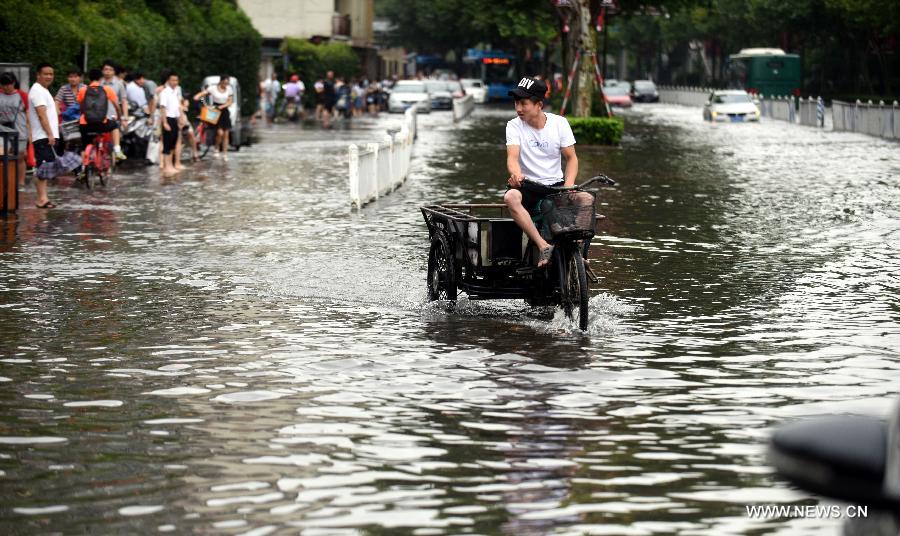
222	95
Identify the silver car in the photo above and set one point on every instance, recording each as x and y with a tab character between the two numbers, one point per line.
441	94
408	93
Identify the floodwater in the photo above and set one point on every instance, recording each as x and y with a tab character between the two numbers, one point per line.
235	351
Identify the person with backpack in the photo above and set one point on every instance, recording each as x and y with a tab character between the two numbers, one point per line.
14	116
95	100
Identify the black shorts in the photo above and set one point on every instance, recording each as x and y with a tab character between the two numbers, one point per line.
43	152
224	120
533	193
170	137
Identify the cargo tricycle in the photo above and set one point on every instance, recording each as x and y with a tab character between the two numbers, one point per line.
478	249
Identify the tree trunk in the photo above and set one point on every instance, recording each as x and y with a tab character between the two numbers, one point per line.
587	44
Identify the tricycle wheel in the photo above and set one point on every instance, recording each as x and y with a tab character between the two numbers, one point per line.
574	286
441	273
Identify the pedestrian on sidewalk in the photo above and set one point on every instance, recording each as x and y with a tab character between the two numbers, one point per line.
110	79
137	97
327	99
66	96
44	121
222	95
271	89
170	113
14	115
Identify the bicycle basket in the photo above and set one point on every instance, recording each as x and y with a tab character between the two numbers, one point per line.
570	214
70	130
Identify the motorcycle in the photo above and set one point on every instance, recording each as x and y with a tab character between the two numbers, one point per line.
137	136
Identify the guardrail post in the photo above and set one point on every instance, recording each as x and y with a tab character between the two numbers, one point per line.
373	148
354	176
389	183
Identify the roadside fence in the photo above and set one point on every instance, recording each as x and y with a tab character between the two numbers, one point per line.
882	120
377	169
811	112
808	112
462	107
686	96
780	108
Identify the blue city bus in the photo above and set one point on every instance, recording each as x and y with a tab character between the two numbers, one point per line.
496	68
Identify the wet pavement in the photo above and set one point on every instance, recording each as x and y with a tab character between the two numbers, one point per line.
235	351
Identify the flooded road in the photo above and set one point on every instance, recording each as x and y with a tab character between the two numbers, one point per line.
235	351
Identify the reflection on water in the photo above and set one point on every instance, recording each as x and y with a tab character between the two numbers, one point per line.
235	351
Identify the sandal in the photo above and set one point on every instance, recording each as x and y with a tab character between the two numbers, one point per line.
48	204
544	258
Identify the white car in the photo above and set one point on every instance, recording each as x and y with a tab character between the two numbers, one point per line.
407	93
476	88
733	105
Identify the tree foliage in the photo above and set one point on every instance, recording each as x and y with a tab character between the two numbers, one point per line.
195	38
847	46
312	61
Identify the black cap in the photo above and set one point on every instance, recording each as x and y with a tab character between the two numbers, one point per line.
529	88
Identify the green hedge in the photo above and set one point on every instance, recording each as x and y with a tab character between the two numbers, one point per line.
597	130
195	38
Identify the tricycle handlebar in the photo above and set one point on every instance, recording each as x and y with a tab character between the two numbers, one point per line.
603	179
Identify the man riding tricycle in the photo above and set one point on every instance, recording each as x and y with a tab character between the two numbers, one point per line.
487	257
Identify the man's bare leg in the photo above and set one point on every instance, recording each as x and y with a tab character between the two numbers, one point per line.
513	200
40	186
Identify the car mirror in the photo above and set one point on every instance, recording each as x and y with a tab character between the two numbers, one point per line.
842	457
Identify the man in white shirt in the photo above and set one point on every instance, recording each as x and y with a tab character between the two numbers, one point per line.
136	94
44	120
535	142
169	113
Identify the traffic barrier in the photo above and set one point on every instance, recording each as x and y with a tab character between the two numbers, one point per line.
379	168
881	120
462	107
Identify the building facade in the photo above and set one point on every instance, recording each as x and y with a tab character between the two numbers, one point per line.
350	21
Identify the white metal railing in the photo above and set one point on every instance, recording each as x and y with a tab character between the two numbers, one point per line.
376	169
811	112
882	120
686	96
462	107
780	108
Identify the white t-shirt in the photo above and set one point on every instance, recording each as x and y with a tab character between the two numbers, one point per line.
39	96
539	150
170	99
220	97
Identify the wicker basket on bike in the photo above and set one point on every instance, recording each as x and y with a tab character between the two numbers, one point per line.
569	213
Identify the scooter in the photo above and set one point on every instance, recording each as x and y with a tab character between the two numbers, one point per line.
137	136
854	459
